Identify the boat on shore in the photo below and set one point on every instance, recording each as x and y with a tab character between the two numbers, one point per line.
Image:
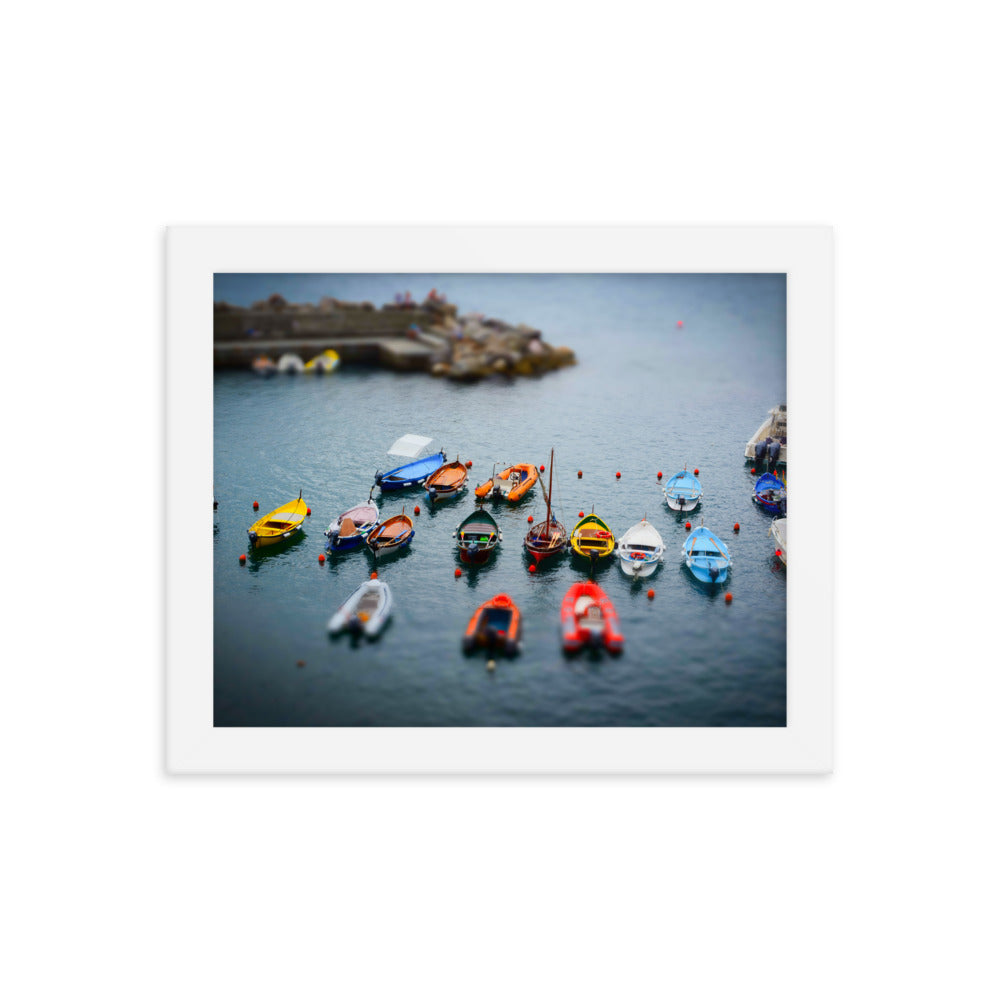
478	535
366	611
770	442
495	624
640	550
591	538
413	473
589	619
391	535
683	491
779	532
446	481
352	528
324	363
771	493
707	556
549	537
281	524
511	484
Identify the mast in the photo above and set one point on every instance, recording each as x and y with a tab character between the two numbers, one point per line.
548	501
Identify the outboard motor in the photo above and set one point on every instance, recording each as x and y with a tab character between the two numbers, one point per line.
773	451
378	477
759	450
253	539
713	572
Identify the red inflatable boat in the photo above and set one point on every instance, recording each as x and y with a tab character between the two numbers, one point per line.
589	619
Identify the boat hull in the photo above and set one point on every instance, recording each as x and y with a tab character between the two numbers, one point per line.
707	557
281	525
592	539
409	475
495	624
365	612
589	620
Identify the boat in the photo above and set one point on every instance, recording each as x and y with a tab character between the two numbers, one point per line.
495	624
446	481
589	619
282	523
352	528
511	484
779	532
292	364
706	556
549	537
640	550
325	362
391	535
263	365
413	473
771	493
770	443
592	538
478	535
683	491
365	611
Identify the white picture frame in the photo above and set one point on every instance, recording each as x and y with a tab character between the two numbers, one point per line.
196	253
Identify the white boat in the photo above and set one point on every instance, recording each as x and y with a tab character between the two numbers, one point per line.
770	444
683	491
640	550
365	611
291	364
779	532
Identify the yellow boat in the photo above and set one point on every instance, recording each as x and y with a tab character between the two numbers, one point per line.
323	363
282	523
592	538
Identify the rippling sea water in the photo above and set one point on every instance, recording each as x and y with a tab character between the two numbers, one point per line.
645	396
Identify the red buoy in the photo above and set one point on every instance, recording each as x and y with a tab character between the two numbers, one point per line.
696	472
458	572
729	598
468	465
680	324
618	475
243	559
531	520
650	594
581	513
579	474
300	663
416	510
541	468
531	568
659	475
736	527
687	525
753	470
374	575
256	506
322	558
309	512
777	552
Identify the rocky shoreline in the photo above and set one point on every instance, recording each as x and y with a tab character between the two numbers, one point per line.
429	336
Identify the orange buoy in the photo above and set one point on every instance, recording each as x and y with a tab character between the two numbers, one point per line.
581	513
579	473
468	465
531	568
531	520
618	475
322	558
659	475
729	598
651	594
458	572
687	525
736	527
541	468
243	559
256	506
416	510
374	575
309	512
696	472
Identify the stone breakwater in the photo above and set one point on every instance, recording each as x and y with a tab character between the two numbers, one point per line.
429	336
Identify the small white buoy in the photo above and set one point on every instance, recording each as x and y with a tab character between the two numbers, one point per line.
490	664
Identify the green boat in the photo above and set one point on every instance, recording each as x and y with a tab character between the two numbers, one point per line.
478	535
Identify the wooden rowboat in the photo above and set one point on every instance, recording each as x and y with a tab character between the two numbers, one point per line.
392	534
592	538
446	481
478	535
281	524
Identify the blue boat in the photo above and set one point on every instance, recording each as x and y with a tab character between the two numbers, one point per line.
706	556
351	529
683	491
771	493
413	473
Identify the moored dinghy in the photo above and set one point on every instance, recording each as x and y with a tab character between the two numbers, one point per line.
683	491
706	555
365	611
324	363
351	529
478	535
592	538
589	619
640	550
281	524
511	484
391	535
264	366
770	493
548	538
291	364
413	473
770	442
447	481
779	532
495	624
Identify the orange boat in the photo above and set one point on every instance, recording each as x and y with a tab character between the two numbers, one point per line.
446	481
589	619
511	484
496	623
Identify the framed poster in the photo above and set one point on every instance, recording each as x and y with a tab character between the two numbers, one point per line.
582	565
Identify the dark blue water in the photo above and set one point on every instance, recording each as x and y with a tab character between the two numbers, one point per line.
645	396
